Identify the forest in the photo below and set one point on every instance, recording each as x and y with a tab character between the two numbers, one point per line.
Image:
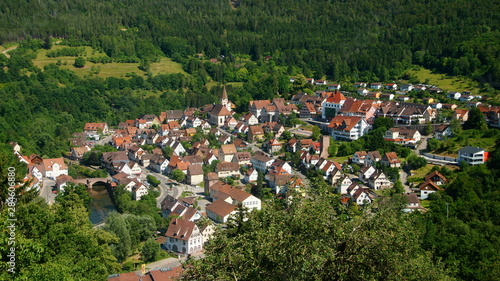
358	40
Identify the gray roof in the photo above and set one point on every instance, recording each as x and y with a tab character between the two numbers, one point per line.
470	150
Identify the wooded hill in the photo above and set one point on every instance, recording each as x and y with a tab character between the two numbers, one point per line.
360	39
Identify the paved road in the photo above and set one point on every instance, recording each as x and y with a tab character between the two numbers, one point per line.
421	146
167	185
46	191
171	262
403	177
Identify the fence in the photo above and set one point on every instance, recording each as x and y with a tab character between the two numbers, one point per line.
439	157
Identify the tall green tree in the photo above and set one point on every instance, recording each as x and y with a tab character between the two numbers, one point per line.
150	250
476	120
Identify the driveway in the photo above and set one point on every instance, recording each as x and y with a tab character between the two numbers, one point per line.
46	191
403	176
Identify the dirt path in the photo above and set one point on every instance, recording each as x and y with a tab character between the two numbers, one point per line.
5	52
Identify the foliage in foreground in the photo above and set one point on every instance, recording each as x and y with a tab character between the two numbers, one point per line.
319	240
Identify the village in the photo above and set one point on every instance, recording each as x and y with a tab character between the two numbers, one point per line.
213	163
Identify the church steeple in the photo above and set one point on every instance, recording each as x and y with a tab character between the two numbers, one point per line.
224	100
224	95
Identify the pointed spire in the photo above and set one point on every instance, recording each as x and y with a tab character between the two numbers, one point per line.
224	93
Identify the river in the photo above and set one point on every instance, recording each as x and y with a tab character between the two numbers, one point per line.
101	203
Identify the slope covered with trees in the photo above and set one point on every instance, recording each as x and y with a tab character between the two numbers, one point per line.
361	39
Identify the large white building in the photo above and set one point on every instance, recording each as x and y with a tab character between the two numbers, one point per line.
52	168
332	105
471	155
348	128
183	237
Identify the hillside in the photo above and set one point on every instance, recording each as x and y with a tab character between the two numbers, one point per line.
359	40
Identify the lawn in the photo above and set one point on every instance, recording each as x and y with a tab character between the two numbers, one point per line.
425	203
114	69
166	66
418	175
341	160
444	82
469	138
210	84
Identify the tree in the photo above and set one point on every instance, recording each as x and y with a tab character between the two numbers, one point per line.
258	189
116	224
383	122
416	162
475	120
398	187
167	151
153	180
47	43
178	175
456	127
79	62
150	250
337	250
433	144
316	133
333	149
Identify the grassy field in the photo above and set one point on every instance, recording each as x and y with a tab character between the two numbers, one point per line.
114	69
418	175
166	66
210	84
470	138
444	82
341	160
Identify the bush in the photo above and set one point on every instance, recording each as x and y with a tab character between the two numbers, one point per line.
79	62
416	162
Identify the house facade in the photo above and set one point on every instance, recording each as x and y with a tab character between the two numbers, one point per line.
183	237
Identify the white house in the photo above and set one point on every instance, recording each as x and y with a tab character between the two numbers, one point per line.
158	163
227	169
345	182
52	168
332	105
453	95
443	132
378	180
348	128
220	211
402	135
251	175
471	155
138	191
366	172
362	196
183	237
427	188
261	162
227	152
250	119
195	174
359	157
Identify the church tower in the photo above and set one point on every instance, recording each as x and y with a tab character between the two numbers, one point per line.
224	100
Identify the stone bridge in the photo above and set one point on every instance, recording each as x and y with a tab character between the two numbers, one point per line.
89	182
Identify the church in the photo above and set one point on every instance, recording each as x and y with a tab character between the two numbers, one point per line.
222	110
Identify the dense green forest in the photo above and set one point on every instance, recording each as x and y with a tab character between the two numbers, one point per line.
359	39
